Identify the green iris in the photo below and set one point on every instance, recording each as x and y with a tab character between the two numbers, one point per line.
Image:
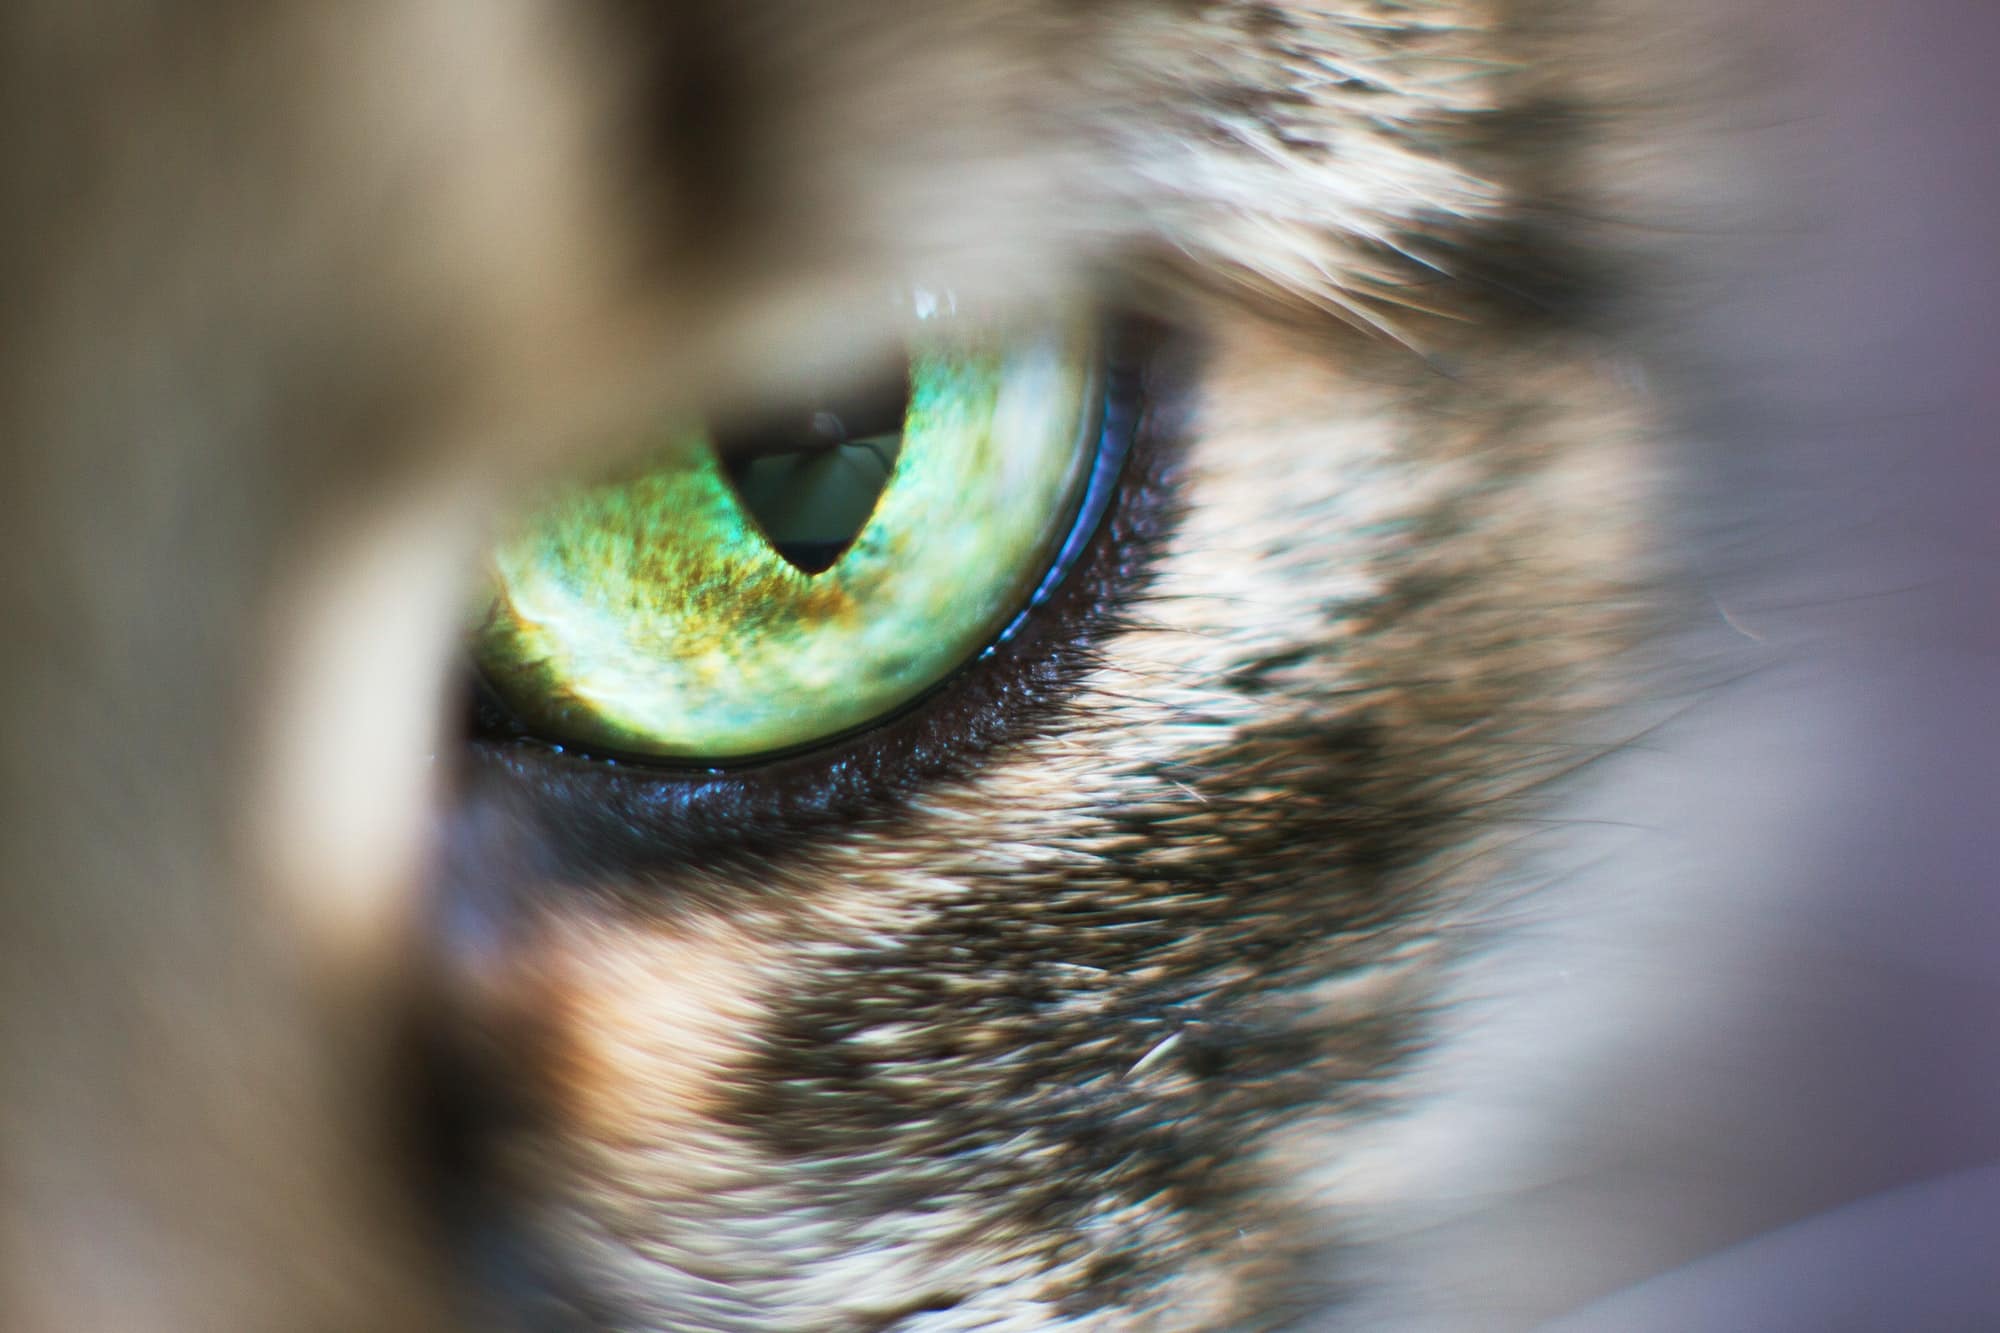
716	606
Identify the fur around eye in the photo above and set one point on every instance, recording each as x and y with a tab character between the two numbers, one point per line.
1003	686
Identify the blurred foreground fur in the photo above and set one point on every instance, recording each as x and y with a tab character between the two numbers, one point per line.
1062	1039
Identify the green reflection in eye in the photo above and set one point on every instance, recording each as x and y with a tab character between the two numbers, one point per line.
716	607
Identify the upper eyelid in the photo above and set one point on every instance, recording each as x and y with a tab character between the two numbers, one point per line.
770	353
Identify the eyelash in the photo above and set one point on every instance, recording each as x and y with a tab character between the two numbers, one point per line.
600	812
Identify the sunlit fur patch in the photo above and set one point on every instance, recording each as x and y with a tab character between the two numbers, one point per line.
649	1029
1314	153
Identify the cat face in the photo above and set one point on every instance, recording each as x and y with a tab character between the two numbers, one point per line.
999	1011
991	1012
1069	989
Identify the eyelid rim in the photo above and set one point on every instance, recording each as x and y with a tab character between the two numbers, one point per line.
1116	421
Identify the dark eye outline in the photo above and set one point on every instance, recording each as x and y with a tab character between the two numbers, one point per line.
614	810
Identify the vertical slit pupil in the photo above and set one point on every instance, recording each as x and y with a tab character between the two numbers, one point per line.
811	477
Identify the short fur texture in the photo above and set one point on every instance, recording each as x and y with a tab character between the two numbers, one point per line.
1011	1052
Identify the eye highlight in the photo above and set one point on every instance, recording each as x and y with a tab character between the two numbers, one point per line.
735	599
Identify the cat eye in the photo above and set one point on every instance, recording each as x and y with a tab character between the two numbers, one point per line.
752	591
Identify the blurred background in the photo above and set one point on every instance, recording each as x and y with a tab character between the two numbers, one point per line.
1789	1118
